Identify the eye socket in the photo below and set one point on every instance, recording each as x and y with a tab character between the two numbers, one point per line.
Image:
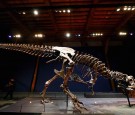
56	52
130	80
69	55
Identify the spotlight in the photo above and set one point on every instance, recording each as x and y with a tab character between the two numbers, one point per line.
64	11
68	35
131	34
24	13
68	11
35	12
122	33
9	36
118	9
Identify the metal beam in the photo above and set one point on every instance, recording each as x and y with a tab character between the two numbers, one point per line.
52	15
124	20
89	18
99	5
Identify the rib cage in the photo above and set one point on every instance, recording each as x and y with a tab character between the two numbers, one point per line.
92	62
98	66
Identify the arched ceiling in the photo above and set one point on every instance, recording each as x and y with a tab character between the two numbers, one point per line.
85	20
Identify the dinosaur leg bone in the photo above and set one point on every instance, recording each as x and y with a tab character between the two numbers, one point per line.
77	104
47	83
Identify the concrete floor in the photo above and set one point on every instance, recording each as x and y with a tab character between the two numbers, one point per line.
60	104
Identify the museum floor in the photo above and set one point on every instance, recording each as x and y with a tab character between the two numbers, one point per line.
59	103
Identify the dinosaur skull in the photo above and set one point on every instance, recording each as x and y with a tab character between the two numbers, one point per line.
64	53
131	81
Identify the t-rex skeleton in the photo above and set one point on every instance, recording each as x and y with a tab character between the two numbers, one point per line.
70	58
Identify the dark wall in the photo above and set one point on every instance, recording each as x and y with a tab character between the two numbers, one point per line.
21	67
16	65
122	59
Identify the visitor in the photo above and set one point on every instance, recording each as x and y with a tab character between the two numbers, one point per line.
10	88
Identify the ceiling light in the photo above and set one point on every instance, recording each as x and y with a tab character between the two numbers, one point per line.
23	12
64	11
129	8
118	9
35	12
9	36
131	34
122	33
17	36
97	34
68	35
68	11
125	8
39	35
93	34
36	35
78	35
133	8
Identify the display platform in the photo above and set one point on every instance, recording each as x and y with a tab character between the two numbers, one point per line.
63	105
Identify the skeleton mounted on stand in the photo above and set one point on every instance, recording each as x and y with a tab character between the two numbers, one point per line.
70	58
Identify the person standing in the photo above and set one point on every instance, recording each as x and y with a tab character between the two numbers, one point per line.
10	88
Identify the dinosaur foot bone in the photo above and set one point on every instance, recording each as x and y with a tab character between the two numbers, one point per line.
45	101
79	106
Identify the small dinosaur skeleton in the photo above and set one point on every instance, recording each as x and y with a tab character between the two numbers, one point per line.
70	58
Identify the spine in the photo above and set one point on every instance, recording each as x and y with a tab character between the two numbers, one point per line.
37	50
